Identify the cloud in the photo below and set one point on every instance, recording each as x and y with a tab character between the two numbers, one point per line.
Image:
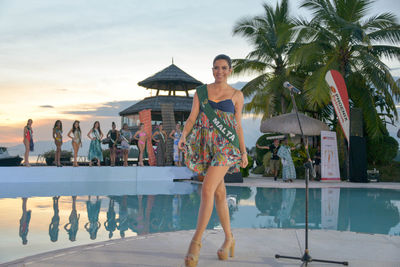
47	106
108	109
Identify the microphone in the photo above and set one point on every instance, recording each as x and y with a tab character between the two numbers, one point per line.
291	88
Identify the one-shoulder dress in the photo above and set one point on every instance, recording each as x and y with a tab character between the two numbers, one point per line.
206	147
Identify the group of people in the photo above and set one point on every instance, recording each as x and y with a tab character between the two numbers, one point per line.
213	144
124	137
281	153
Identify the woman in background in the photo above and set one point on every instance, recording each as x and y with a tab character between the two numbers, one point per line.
76	140
141	136
95	135
28	141
57	136
176	135
161	141
126	138
285	153
113	135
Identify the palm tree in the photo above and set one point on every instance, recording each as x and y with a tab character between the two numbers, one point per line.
270	35
340	37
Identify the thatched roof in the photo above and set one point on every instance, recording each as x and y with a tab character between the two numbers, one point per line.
171	78
181	104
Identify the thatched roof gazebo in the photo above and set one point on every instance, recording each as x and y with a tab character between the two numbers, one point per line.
171	79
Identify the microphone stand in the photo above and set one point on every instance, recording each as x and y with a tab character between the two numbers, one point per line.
306	258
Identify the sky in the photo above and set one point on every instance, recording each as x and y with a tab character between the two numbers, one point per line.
76	59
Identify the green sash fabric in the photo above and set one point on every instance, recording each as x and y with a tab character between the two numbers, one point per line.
228	132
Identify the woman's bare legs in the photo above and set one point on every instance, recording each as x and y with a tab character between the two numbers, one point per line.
221	206
141	152
212	180
76	149
27	149
58	153
126	151
112	152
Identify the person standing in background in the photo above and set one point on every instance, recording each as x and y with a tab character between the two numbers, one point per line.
274	163
113	135
57	136
288	169
126	138
141	137
95	152
28	141
161	141
76	140
176	135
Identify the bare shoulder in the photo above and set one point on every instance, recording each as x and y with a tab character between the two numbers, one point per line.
237	96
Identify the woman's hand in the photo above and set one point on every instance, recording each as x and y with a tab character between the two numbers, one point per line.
181	144
244	161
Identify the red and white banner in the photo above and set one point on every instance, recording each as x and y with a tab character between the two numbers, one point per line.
340	100
329	157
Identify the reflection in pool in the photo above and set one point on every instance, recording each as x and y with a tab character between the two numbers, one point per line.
54	222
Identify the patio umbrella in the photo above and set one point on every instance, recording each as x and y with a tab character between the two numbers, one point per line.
288	124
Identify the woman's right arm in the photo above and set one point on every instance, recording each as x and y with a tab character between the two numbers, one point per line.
54	134
88	135
171	134
190	121
135	135
152	137
69	134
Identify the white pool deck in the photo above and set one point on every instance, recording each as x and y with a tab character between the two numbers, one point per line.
255	247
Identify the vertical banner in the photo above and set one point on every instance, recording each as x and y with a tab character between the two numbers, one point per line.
340	100
330	208
145	117
329	157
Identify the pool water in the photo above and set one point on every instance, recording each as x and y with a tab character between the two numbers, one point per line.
38	224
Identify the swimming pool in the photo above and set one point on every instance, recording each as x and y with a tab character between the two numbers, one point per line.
32	225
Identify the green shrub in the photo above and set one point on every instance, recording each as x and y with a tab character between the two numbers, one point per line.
50	155
258	170
382	150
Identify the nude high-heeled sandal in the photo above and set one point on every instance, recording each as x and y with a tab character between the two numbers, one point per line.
191	259
223	253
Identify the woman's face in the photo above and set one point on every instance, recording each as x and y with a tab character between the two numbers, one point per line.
221	70
76	124
58	124
96	125
178	126
125	127
30	122
113	126
160	127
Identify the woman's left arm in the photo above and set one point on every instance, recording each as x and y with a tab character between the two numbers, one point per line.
239	100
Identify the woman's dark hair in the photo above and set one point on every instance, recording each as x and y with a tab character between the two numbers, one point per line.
94	124
223	57
73	126
55	124
113	123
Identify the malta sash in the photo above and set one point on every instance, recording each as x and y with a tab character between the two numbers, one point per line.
228	132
